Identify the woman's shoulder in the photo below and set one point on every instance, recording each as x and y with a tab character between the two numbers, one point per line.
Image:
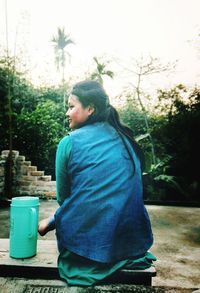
65	141
84	129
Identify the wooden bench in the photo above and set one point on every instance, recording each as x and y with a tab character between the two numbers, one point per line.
44	266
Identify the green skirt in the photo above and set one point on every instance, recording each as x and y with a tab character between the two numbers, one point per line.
80	271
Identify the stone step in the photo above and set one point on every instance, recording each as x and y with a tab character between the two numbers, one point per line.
2	172
45	178
36	173
32	168
50	183
28	178
20	159
24	163
22	183
5	153
23	170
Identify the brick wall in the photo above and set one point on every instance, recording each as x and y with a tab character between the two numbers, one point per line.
27	180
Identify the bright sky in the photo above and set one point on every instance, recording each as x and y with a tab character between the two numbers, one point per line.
120	29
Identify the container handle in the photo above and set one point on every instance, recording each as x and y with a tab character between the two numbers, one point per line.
12	226
33	222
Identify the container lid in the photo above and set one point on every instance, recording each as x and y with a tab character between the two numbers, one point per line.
25	201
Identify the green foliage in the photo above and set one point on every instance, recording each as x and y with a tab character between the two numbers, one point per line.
176	136
37	118
159	185
134	118
180	137
37	126
100	71
41	131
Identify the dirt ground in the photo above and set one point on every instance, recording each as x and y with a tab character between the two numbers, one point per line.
176	242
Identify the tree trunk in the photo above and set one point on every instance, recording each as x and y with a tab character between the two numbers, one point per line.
146	120
9	162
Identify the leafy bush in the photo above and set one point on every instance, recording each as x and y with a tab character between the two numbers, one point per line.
176	137
36	118
38	133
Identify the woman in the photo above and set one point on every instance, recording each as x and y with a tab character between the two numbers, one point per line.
101	224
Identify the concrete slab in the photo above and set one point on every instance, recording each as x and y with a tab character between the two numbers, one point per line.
21	285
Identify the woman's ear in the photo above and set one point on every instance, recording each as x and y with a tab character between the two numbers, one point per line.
91	109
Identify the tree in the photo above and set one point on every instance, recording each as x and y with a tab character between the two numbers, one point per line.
179	136
38	133
7	70
143	68
61	41
100	71
37	120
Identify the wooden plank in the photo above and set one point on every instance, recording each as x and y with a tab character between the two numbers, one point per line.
136	277
44	265
46	255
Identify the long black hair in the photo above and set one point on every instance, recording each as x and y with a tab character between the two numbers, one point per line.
92	93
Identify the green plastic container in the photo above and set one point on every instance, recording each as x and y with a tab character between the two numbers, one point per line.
24	226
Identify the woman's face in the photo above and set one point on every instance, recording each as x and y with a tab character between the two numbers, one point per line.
76	113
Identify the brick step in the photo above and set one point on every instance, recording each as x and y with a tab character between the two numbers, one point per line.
45	178
36	173
24	169
5	153
31	168
20	159
44	183
24	163
28	178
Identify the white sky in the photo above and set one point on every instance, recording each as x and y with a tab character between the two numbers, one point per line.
124	29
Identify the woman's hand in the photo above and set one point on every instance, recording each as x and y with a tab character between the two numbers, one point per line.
43	227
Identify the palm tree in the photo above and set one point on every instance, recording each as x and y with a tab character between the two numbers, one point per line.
100	71
61	41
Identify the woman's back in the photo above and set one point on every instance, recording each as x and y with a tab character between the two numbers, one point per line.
103	218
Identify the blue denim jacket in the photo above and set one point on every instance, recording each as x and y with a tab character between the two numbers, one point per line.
102	216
